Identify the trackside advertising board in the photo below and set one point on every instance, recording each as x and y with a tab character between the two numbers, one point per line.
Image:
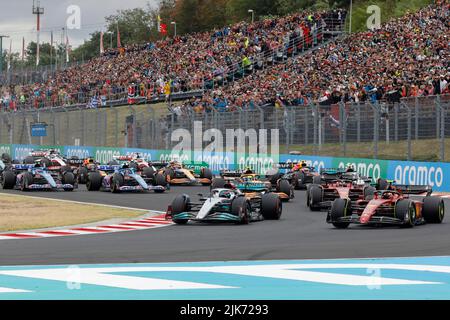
434	174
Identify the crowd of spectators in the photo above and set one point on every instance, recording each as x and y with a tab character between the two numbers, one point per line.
407	57
188	62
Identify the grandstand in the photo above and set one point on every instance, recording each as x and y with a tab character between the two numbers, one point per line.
300	60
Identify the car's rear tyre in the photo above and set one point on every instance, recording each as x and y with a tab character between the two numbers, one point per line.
46	162
160	180
382	184
406	211
27	180
339	209
68	178
275	177
369	193
169	174
117	181
6	158
179	205
28	160
148	172
285	187
9	180
317	180
315	197
239	208
83	175
433	210
218	183
94	181
206	173
271	206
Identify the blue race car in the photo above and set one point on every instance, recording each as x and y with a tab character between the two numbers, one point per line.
122	178
36	176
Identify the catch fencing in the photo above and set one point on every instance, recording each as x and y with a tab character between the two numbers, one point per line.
413	129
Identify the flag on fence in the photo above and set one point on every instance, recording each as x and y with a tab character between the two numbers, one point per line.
334	122
162	27
94	102
119	44
102	48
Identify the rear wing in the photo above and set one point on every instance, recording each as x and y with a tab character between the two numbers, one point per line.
231	173
285	165
412	189
22	167
75	162
107	168
159	164
331	174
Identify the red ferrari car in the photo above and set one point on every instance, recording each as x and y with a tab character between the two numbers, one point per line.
389	207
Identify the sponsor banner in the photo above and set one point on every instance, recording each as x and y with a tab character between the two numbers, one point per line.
433	174
80	152
314	161
105	155
367	167
21	151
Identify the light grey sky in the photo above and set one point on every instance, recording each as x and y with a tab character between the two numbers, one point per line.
17	20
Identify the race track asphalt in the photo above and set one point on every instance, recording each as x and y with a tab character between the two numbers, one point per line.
300	234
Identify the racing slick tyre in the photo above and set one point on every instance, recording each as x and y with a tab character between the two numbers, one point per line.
117	181
339	209
206	173
297	181
271	206
28	160
148	172
83	175
433	210
382	184
27	179
169	174
405	209
46	162
94	181
134	166
6	158
64	169
239	208
317	180
160	180
369	193
315	197
68	178
9	180
285	187
179	205
218	183
275	177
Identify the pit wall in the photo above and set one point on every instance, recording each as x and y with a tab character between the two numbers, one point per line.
434	174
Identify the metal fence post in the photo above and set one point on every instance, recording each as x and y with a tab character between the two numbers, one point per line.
358	124
376	118
416	117
306	125
315	122
343	130
409	130
396	122
438	117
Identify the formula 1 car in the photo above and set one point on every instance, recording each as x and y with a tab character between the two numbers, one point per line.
249	182
389	207
55	161
119	178
336	183
177	173
28	177
299	175
225	205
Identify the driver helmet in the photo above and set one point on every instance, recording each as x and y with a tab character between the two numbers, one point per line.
350	168
226	194
387	195
126	165
248	170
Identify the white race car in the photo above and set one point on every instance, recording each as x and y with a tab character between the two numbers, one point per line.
226	205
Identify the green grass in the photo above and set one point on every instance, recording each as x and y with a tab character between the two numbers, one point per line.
421	150
389	9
